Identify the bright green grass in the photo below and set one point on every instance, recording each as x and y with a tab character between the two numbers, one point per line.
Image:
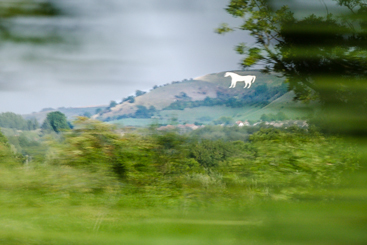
285	104
99	222
53	207
191	115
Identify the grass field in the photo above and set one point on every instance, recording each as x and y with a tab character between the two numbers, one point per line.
206	114
284	104
39	219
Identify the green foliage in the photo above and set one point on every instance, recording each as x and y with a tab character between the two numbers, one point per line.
130	99
287	163
234	133
139	93
322	56
55	121
107	180
261	95
87	114
112	104
98	110
210	154
28	144
143	112
7	157
294	160
224	120
27	9
12	120
280	116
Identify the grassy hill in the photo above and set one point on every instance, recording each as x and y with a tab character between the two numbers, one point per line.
267	88
285	103
186	102
213	86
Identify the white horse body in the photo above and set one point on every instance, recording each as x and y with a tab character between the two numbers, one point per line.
237	78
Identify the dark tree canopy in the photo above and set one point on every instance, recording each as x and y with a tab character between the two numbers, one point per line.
322	56
55	121
113	104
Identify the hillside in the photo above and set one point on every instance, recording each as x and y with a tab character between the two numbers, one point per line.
201	100
205	91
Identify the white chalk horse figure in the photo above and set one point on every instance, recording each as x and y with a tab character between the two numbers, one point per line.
237	78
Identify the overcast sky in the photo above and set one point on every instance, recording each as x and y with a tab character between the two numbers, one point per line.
121	46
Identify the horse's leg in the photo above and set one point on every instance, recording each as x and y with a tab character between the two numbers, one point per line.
252	81
233	83
245	84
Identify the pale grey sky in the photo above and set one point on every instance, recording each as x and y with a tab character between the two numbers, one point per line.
122	46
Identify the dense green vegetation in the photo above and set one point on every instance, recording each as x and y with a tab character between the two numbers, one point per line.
98	178
55	121
153	158
12	120
99	184
280	116
259	96
322	54
156	158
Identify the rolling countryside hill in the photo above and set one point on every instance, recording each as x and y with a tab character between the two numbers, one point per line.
202	100
185	101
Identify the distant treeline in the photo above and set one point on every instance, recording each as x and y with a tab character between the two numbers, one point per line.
12	120
262	96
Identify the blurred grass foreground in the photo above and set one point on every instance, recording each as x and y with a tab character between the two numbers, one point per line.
97	184
93	185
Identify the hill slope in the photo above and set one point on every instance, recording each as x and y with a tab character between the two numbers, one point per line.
214	88
201	100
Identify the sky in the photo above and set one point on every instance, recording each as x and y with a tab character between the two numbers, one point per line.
115	47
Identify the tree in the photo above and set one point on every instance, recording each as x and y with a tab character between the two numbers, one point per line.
112	104
130	99
87	114
55	121
209	153
98	110
12	120
139	93
322	57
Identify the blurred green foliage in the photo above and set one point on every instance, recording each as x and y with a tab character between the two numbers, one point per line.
13	10
104	181
286	162
55	121
12	120
280	116
322	56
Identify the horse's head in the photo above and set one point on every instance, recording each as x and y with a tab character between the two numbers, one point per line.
227	74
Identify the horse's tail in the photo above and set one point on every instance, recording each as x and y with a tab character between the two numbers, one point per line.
253	79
